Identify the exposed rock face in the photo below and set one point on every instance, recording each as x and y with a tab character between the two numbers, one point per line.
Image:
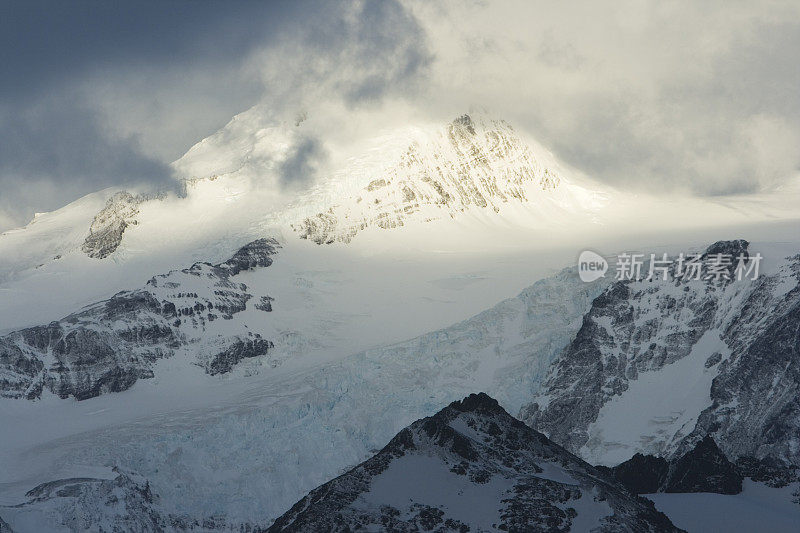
472	467
735	342
105	233
775	473
641	474
108	346
474	164
264	304
225	360
257	254
702	469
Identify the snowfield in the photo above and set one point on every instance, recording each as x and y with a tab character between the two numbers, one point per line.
382	326
757	508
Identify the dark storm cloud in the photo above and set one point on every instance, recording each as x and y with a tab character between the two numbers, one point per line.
359	51
46	43
387	26
303	162
53	138
61	140
97	94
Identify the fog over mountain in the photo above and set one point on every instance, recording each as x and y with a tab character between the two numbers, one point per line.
699	98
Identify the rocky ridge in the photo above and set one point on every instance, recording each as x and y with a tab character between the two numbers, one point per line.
738	339
109	225
702	469
483	470
108	346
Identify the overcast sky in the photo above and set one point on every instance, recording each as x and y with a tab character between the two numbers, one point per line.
696	96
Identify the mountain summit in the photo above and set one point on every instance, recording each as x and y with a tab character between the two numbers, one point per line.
471	164
472	467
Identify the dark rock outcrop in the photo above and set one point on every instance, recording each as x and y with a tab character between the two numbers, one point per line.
264	304
4	527
256	254
225	360
704	468
108	226
641	474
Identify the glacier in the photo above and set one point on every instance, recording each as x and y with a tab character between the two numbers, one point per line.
257	445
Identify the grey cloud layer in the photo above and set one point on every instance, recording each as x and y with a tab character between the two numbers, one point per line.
680	95
702	96
105	94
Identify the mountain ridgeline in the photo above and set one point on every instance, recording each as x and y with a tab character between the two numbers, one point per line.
671	362
472	467
108	346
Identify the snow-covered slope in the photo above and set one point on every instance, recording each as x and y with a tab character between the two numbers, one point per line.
306	426
499	193
194	440
48	236
108	346
472	467
473	184
658	365
121	503
757	508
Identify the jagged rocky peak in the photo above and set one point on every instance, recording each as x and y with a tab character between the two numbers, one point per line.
472	467
704	468
255	254
108	346
480	403
658	365
471	163
108	226
733	248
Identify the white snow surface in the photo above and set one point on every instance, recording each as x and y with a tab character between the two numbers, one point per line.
233	193
757	508
660	407
205	442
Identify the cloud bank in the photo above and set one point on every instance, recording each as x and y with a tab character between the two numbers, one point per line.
701	96
698	97
101	94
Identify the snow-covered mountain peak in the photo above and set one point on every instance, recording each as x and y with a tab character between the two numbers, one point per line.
475	165
472	467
